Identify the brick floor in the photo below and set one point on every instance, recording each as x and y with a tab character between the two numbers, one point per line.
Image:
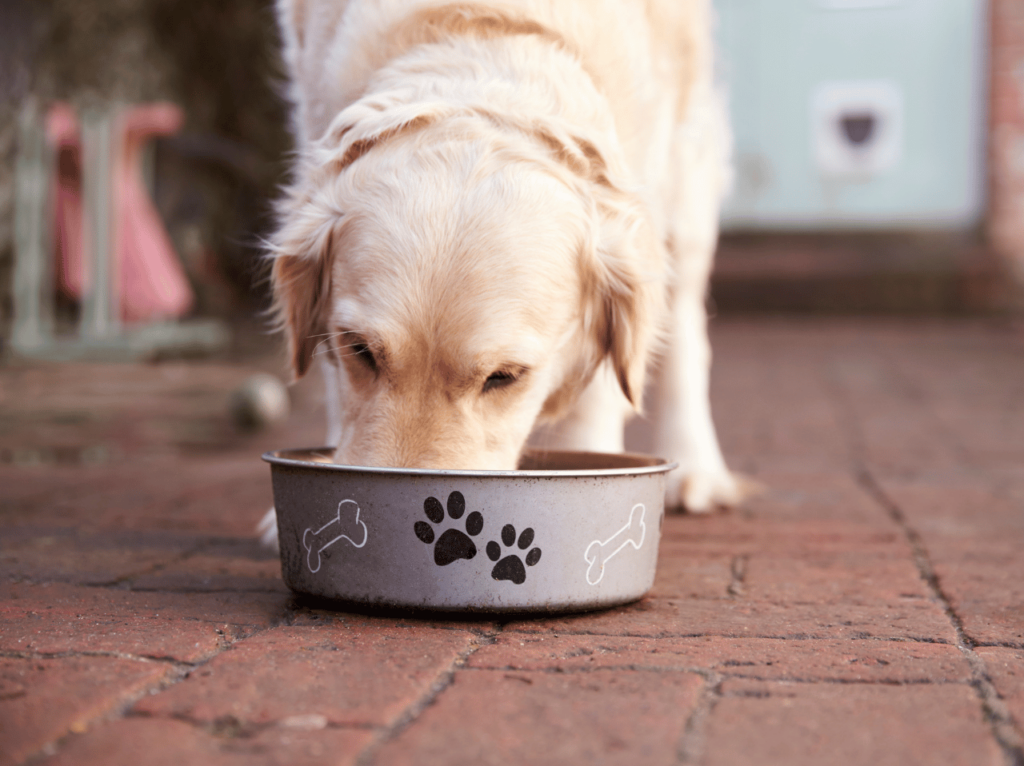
868	608
814	723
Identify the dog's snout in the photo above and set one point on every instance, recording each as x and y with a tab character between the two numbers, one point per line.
426	436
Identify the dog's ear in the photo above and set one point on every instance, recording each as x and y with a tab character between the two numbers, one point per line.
299	292
627	288
371	121
312	218
300	275
623	262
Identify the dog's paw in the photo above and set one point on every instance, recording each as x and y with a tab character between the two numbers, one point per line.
267	530
703	491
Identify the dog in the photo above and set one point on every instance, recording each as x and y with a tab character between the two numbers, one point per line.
500	212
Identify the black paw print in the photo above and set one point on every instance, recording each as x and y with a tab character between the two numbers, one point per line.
453	544
511	567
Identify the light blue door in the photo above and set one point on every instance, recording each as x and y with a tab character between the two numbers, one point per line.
854	113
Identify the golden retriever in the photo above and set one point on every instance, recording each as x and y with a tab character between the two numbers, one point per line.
500	210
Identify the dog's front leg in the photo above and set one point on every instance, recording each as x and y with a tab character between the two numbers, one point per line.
595	422
681	410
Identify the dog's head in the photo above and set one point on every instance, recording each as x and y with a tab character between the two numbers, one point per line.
466	277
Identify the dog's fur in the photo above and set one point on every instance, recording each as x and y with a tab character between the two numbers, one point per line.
500	210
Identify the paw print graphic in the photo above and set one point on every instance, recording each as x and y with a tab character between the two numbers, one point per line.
453	544
511	566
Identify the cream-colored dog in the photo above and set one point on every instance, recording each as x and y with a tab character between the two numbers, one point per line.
499	212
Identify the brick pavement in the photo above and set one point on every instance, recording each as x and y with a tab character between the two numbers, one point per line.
867	609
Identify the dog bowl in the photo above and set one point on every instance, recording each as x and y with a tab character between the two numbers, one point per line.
568	531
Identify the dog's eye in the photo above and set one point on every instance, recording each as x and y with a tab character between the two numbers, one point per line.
499	379
362	352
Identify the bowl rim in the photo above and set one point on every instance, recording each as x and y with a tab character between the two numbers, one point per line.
649	464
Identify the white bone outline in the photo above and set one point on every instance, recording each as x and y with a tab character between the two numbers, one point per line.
590	555
335	520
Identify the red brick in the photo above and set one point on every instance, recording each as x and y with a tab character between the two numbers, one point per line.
753	392
803	660
828	500
828	584
223	497
693	576
226	565
989	434
914	619
133	410
164	742
881	725
351	675
1006	669
316	613
896	428
55	554
183	626
914	445
184	494
973	536
807	438
802	494
865	577
958	507
42	699
732	534
499	717
988	616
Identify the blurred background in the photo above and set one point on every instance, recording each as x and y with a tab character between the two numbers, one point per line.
210	179
878	158
879	170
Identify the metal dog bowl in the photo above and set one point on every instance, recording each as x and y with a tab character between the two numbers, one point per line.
569	531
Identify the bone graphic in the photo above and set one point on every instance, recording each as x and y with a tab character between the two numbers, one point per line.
600	553
344	526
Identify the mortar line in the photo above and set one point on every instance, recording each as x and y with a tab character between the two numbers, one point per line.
415	709
175	674
126	579
993	709
735	636
738	575
179	672
246	728
719	674
691	746
74	654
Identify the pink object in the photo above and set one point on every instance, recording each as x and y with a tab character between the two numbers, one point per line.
146	271
69	235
